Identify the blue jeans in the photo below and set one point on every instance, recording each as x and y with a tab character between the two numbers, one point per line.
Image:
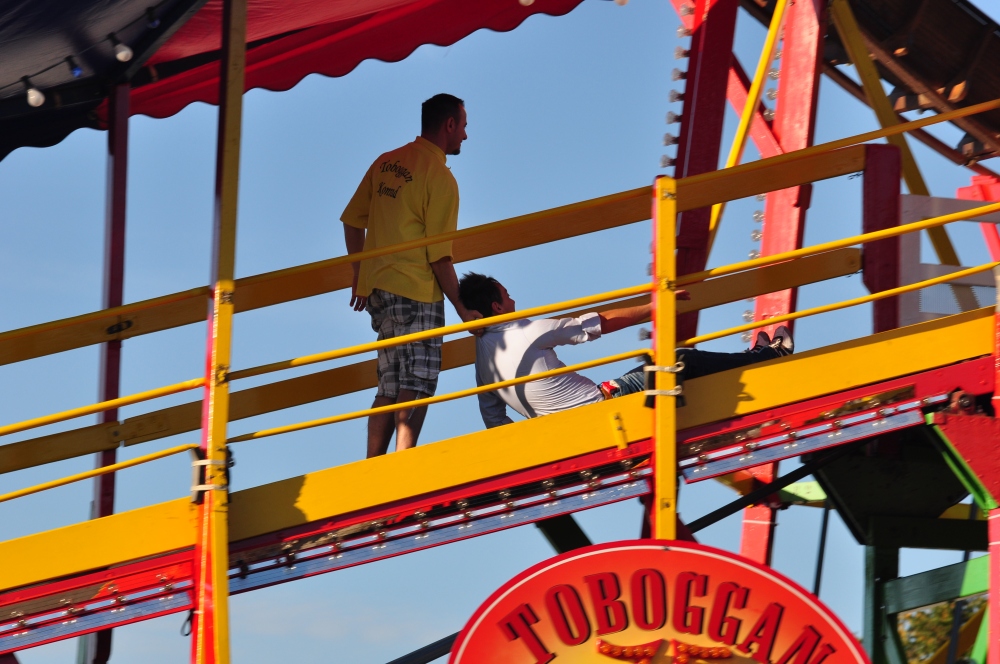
697	363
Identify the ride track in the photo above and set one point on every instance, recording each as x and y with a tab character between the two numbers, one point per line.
913	401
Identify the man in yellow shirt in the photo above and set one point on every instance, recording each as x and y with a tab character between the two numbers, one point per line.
407	194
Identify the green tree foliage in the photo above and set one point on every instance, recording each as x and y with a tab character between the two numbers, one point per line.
926	629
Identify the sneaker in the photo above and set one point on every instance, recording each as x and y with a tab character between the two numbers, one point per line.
783	342
763	341
610	389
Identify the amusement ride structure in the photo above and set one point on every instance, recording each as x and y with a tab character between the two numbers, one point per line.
898	426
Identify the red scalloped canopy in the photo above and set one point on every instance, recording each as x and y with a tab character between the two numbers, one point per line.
290	39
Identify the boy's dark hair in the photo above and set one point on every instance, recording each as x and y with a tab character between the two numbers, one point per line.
436	110
478	292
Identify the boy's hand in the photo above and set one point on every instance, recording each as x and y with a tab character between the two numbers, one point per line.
682	295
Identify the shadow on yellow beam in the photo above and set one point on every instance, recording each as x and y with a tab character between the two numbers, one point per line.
357	486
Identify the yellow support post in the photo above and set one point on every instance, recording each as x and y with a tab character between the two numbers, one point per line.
753	99
850	34
210	626
664	512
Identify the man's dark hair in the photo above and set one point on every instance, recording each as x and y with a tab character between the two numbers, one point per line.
436	110
478	292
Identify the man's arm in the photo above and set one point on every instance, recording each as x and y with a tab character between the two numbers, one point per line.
444	272
616	319
354	238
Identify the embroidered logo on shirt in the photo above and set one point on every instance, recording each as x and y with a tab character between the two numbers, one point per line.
395	167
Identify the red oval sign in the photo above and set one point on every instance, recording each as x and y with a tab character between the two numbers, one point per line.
653	602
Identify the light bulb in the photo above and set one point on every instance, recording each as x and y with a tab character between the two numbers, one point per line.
621	3
673	117
754	254
748	315
74	68
526	3
758	216
678	75
669	139
35	96
122	52
666	162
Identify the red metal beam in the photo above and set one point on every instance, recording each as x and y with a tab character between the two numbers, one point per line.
880	210
97	647
984	188
712	25
737	88
785	210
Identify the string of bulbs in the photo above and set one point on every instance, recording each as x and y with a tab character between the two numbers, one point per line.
122	52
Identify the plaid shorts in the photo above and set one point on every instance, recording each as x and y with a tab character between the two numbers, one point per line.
414	366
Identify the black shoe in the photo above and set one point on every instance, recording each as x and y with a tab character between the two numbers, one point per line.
783	342
763	341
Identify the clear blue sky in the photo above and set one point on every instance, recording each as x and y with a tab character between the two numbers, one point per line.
560	110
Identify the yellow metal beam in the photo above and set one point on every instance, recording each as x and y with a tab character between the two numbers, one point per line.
361	376
766	175
437	332
439	398
837	368
854	42
664	511
892	292
101	406
302	281
750	107
103	470
170	526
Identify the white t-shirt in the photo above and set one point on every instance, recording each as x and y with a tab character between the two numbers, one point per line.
524	347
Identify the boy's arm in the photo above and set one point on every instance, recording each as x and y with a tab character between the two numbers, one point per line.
616	319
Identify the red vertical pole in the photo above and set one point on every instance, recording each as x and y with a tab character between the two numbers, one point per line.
785	210
712	27
880	210
96	648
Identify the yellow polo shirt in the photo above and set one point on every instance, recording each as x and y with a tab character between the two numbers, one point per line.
407	194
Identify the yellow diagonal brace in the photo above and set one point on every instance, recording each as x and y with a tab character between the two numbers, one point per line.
753	100
850	34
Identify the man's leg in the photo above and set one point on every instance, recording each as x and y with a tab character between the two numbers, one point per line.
380	428
410	421
699	363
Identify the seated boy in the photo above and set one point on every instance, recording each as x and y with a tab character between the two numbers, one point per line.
524	347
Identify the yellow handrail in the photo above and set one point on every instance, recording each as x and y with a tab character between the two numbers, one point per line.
750	106
951	276
103	470
438	332
838	244
101	406
846	142
263	433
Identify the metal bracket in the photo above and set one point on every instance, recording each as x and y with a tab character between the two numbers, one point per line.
676	392
198	475
675	368
198	488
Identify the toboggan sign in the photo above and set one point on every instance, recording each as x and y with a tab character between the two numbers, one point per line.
653	602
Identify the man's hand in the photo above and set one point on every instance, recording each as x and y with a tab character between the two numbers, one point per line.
358	302
469	315
682	295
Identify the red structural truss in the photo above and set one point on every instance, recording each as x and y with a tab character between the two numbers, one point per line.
712	24
984	188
